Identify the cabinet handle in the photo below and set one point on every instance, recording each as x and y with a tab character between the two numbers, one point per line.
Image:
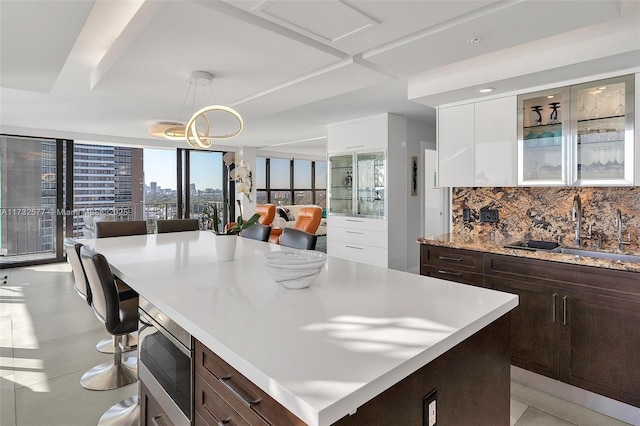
453	259
354	232
553	307
354	220
564	310
226	382
154	420
223	422
354	146
357	248
443	272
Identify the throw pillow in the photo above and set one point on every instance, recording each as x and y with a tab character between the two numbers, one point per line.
285	214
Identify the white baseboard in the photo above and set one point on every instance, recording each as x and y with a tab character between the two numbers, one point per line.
593	401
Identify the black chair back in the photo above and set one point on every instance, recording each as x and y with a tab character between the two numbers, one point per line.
72	248
176	225
106	229
297	239
257	232
104	292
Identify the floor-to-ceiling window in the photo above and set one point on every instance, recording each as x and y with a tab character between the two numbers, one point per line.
31	217
284	181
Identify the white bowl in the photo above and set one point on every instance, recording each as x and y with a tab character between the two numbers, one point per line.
294	269
295	259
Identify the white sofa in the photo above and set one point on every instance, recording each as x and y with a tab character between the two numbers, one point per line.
280	222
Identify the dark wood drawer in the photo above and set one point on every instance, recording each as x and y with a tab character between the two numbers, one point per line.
464	277
453	259
151	412
214	408
239	392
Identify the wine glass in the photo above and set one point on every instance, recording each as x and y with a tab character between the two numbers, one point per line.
620	108
553	118
537	110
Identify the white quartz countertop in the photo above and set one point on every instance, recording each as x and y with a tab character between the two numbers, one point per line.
322	351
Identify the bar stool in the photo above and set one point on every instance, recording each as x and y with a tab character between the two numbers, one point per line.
72	248
120	318
257	232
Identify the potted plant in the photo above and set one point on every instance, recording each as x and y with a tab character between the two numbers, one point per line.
225	240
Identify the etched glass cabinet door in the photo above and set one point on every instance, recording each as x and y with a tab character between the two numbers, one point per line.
543	132
371	178
341	180
602	144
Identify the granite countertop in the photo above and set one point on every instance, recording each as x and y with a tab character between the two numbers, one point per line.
496	246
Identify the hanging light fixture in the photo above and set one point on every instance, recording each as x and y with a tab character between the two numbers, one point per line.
197	130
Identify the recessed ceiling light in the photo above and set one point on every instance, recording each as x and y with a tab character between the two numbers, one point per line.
550	97
474	39
602	88
486	89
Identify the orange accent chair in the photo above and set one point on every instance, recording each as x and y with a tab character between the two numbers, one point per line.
308	221
267	213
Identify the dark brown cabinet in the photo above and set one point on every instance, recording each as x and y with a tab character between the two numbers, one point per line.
463	266
574	323
224	396
600	344
151	413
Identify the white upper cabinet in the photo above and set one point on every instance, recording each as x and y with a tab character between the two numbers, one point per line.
477	143
357	135
456	156
496	142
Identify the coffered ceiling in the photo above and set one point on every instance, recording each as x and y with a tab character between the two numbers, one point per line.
104	70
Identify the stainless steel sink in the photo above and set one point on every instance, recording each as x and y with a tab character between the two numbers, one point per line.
598	254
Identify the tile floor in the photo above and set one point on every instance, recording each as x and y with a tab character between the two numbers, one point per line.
47	341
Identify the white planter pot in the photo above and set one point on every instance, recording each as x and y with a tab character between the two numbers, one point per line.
226	247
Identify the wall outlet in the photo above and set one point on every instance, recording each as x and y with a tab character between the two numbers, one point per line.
466	214
430	415
489	215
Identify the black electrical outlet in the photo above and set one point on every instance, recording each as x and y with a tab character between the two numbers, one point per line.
489	215
430	410
466	214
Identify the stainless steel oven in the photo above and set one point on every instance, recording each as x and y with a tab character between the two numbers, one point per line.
165	354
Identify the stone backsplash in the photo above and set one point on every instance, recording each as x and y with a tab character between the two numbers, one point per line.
545	213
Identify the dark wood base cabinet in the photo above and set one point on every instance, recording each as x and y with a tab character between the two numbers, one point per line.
471	384
574	323
151	413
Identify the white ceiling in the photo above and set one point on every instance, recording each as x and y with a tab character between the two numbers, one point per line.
105	70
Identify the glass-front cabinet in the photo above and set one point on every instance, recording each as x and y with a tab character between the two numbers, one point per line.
357	184
603	138
544	127
579	135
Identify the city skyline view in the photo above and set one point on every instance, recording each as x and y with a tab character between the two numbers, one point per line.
160	166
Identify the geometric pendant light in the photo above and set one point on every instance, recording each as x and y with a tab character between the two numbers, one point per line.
201	129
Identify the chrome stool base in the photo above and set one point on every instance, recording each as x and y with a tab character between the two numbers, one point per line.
124	413
111	375
129	343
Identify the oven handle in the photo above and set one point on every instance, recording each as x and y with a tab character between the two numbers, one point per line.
145	318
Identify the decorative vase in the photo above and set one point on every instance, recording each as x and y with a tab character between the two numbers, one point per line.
226	247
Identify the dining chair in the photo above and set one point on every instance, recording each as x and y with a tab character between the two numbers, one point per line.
176	225
257	232
81	285
297	239
120	317
121	229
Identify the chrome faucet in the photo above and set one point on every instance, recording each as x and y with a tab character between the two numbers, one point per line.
621	242
576	213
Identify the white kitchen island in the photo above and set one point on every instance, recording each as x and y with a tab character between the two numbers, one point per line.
321	352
